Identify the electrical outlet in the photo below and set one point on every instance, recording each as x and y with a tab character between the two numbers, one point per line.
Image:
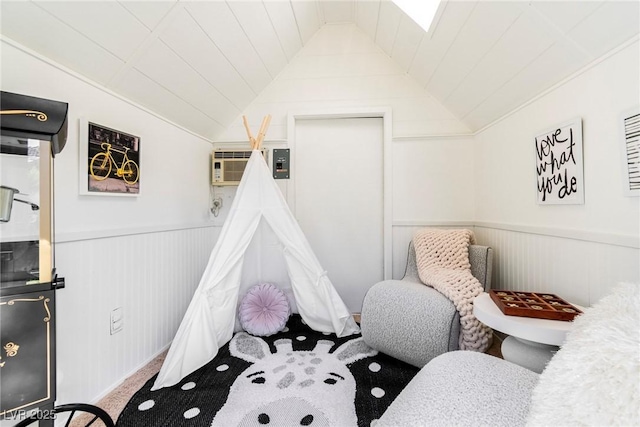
117	320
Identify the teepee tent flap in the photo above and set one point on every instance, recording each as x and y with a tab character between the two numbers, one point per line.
209	321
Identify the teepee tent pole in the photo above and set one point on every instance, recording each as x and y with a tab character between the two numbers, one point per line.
263	130
252	140
256	143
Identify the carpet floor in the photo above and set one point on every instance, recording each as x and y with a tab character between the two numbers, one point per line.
115	402
295	377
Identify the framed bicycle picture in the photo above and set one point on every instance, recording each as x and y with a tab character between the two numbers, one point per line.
109	161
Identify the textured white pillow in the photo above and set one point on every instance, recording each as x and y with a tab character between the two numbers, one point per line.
594	379
264	310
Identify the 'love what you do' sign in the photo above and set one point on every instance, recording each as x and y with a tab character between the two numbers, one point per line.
559	164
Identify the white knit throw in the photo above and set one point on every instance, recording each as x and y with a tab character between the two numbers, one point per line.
442	258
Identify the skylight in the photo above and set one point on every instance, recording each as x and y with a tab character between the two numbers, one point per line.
421	11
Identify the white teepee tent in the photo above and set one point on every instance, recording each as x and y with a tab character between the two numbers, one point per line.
258	209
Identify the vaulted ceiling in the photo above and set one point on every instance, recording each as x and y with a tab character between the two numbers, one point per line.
201	63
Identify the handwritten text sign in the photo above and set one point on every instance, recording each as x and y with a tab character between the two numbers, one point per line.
559	164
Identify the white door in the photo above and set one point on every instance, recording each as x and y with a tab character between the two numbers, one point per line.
338	200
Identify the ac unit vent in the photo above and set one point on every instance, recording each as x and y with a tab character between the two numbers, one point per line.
244	154
227	166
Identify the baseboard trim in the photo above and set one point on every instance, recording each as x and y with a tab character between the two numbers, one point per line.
118	383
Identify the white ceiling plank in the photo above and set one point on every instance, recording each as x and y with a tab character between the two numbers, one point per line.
37	29
513	52
354	64
217	20
306	13
150	13
162	65
116	29
193	45
425	106
609	26
153	96
339	39
556	63
388	22
565	14
284	22
337	11
367	16
407	41
340	88
432	49
255	22
473	42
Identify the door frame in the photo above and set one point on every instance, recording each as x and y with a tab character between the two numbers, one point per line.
352	113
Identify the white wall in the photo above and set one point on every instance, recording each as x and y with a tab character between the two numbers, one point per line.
433	186
433	180
579	251
432	156
174	163
145	254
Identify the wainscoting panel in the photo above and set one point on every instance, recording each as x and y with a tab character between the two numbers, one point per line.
580	271
577	270
152	276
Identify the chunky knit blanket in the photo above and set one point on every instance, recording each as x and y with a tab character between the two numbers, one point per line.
442	258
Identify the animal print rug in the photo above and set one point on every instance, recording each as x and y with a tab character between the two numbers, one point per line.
296	377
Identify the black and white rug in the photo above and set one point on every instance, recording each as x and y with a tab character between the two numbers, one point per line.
296	377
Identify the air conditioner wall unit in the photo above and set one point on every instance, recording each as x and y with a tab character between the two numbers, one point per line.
227	166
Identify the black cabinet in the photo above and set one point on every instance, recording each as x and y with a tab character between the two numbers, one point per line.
27	350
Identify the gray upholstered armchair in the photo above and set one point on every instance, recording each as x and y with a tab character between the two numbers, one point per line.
413	322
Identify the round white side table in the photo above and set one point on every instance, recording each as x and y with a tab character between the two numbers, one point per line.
531	342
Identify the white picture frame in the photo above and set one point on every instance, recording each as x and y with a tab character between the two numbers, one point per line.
120	155
630	148
559	164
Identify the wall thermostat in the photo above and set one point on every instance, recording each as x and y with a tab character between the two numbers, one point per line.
281	165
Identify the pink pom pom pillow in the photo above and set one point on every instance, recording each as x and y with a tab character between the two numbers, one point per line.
264	310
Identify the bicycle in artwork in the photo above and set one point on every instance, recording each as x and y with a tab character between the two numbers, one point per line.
102	163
